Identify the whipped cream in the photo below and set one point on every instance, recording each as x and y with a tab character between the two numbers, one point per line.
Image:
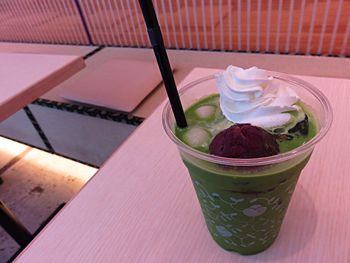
252	96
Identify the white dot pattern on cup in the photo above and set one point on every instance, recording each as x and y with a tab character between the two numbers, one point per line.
254	210
244	221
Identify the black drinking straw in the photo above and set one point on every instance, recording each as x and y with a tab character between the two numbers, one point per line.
155	36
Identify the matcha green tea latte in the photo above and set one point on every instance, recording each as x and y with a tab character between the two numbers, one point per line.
250	133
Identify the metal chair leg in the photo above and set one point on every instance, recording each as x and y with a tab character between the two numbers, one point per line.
13	227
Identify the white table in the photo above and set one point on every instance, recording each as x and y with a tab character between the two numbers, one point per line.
141	206
23	78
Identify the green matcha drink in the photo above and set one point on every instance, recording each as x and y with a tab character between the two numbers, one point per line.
244	160
205	120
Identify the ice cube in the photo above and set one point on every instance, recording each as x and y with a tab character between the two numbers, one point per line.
206	111
197	137
220	126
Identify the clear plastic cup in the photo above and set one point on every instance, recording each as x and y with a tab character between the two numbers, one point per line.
244	201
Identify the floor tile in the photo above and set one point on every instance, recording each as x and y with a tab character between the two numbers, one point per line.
35	184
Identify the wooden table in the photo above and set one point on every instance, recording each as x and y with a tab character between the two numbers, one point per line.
141	207
23	78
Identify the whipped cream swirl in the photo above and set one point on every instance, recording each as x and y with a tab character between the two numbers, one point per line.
251	96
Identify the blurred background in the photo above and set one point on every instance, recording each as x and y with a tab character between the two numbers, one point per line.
317	27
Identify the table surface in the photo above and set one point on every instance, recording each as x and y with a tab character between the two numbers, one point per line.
141	207
24	77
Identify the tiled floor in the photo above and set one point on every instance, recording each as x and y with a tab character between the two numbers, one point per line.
35	184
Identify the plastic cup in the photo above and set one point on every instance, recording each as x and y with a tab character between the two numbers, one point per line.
244	201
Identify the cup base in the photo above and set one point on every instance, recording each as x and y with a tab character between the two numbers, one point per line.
246	251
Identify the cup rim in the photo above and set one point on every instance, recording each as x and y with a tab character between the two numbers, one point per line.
261	160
